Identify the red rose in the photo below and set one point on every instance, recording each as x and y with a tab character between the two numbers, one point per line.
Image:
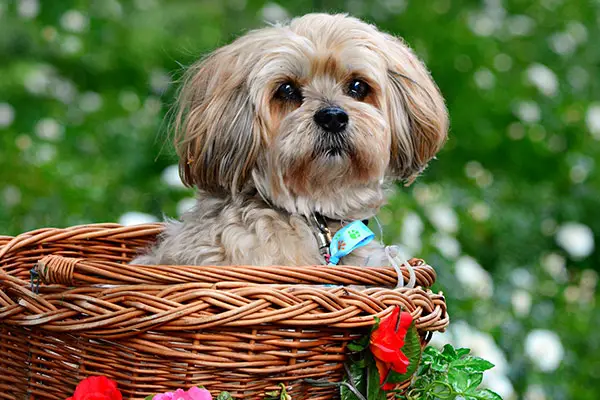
387	342
96	388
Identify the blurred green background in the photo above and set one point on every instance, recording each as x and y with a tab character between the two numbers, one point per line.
509	214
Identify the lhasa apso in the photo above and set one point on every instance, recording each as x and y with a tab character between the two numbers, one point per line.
294	130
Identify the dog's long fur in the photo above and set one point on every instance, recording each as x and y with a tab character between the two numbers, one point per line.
262	165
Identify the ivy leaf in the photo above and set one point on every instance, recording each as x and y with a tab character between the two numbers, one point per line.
487	394
358	373
359	344
459	380
150	397
449	353
374	391
462	352
474	381
474	364
376	324
412	350
224	396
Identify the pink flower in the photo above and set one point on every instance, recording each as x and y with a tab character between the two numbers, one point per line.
192	394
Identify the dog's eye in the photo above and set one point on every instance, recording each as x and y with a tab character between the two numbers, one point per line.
358	89
288	91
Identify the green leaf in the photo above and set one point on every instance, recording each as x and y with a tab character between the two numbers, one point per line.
359	344
462	352
474	381
449	352
430	356
487	394
376	324
474	364
150	397
374	391
459	379
412	350
358	373
224	396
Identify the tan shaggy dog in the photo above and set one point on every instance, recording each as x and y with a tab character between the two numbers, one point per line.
291	125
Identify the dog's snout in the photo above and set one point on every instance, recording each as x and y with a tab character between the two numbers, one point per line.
332	119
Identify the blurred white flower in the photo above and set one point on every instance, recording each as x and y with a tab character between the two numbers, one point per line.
412	228
90	102
578	31
481	344
74	21
7	115
555	265
589	279
520	25
136	218
443	217
484	78
535	392
562	43
425	193
23	142
28	8
71	44
543	78
152	105
500	384
592	120
63	90
273	13
185	205
544	349
159	81
44	154
11	196
528	111
482	24
394	6
578	77
37	80
49	129
446	244
476	280
516	131
170	176
522	278
503	62
480	211
565	43
581	166
576	238
521	302
129	100
473	169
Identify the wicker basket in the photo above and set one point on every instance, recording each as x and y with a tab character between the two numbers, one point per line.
243	329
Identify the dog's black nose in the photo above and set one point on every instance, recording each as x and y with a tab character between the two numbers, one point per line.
332	119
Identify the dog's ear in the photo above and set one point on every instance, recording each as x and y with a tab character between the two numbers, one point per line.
216	129
417	114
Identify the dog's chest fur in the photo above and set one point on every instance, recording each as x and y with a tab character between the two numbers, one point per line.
225	231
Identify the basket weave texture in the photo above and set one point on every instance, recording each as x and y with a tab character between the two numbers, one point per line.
243	329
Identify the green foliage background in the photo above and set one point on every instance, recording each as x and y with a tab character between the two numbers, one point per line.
85	85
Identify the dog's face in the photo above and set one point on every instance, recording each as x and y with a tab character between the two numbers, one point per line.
315	115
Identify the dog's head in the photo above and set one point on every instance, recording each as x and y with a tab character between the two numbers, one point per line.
315	115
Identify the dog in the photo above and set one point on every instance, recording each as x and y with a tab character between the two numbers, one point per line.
292	131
